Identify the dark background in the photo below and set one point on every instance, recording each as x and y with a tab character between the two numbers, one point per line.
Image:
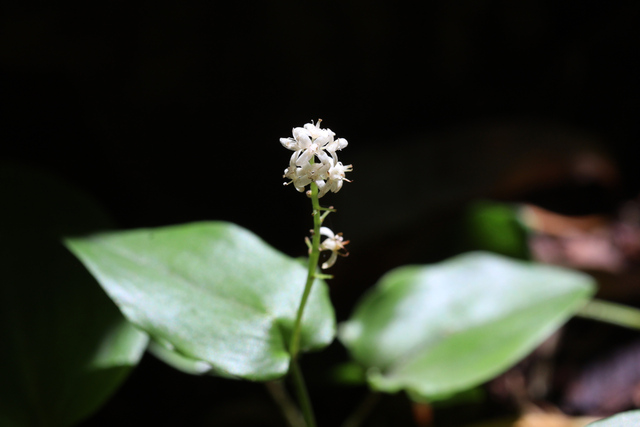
171	112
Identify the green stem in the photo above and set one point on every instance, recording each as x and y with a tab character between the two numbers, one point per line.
314	256
610	312
363	410
294	346
303	395
289	410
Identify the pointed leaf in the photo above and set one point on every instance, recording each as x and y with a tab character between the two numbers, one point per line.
211	292
447	327
65	346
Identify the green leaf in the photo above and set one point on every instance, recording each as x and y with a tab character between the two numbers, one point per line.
495	227
347	374
464	397
65	346
447	327
623	419
211	292
183	363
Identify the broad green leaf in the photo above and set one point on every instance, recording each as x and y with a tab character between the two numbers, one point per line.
65	346
447	327
623	419
211	292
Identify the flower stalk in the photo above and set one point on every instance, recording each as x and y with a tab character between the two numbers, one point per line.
327	175
294	348
314	256
303	395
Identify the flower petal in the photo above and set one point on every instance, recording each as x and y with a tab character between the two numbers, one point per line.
332	260
289	143
305	157
326	231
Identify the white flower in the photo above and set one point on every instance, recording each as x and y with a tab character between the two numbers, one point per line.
334	180
334	243
301	138
302	176
318	133
324	137
307	143
336	145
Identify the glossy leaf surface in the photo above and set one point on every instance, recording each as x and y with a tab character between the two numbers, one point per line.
211	292
443	328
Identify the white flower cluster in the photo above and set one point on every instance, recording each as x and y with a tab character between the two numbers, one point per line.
311	142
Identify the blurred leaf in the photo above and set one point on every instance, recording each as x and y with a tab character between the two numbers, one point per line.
495	227
624	419
472	395
211	292
348	374
65	345
448	327
538	419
